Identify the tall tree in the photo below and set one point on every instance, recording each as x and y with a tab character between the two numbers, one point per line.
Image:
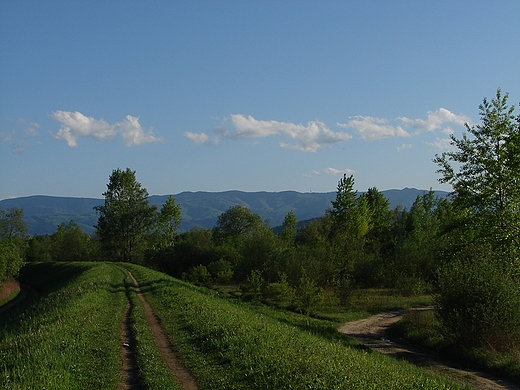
478	298
12	223
487	182
126	217
237	222
168	222
289	227
350	216
12	242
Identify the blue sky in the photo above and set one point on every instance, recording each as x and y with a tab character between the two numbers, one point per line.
246	95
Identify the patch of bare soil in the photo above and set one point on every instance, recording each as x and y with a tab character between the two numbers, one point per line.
7	288
371	332
184	378
11	287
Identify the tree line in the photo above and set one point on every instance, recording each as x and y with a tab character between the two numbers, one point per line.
463	248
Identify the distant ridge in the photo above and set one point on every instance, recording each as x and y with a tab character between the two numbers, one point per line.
199	209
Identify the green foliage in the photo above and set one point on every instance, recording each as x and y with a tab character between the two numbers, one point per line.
289	227
280	293
237	222
126	218
168	222
12	223
12	242
308	295
198	275
221	271
256	285
10	258
486	182
478	284
478	300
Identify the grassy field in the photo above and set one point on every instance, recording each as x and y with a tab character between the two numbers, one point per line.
231	345
68	337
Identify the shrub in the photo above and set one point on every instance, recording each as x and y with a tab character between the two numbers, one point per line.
199	275
478	300
10	260
280	292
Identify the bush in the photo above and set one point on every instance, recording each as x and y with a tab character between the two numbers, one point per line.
198	275
280	292
478	301
10	260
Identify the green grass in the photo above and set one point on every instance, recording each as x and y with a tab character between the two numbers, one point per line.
68	336
231	345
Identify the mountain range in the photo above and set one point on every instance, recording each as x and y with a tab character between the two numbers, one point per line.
199	209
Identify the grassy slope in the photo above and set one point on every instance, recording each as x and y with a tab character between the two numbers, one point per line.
68	336
229	345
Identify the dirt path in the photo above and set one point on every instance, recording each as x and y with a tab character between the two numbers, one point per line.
184	378
371	332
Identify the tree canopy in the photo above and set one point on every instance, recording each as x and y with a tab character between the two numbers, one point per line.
125	218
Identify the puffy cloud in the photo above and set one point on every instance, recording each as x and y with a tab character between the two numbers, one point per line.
198	138
309	138
330	171
75	125
373	129
132	132
435	120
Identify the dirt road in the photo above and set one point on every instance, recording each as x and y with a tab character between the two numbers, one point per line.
371	332
130	369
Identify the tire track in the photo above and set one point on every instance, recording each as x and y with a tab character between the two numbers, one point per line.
183	376
130	369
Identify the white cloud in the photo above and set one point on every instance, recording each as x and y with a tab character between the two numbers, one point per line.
373	129
329	171
442	144
198	138
20	135
310	138
75	125
448	131
435	120
404	146
132	132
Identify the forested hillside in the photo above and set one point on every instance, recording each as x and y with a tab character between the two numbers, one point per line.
199	209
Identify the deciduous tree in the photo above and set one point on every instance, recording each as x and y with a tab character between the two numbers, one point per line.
125	218
479	289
